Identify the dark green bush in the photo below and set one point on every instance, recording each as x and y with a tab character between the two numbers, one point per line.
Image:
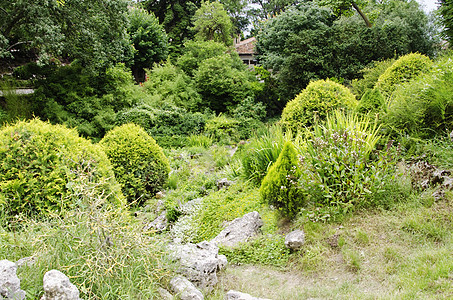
139	164
279	187
39	165
250	115
403	70
317	100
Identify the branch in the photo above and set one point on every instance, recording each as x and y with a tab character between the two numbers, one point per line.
364	17
18	43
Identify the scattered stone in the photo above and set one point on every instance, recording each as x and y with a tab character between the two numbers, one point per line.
223	183
164	294
26	261
159	224
190	207
160	195
9	282
333	240
234	295
239	230
295	240
199	263
58	287
184	289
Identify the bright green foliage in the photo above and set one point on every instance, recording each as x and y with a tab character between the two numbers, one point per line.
223	129
196	52
39	162
403	70
92	31
221	85
86	101
370	77
212	23
279	187
139	164
173	86
262	151
250	114
148	39
424	106
338	166
315	102
371	102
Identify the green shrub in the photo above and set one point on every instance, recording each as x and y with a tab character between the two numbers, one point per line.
317	100
199	141
250	115
339	166
279	187
424	106
223	129
403	70
261	152
372	101
139	164
38	167
370	77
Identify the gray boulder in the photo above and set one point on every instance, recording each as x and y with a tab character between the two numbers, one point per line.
184	289
159	224
234	295
295	240
9	282
239	230
223	183
164	294
199	263
57	287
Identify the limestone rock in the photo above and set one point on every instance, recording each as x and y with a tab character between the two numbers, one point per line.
9	282
159	224
223	183
295	240
57	287
239	230
164	294
199	263
184	289
234	295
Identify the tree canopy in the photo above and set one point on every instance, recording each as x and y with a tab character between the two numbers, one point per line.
212	23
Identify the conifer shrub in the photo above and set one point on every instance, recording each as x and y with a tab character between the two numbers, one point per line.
139	164
403	70
279	187
38	168
314	103
372	101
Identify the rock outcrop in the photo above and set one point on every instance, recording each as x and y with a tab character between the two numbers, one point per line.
199	263
295	240
58	287
234	295
9	282
184	289
239	230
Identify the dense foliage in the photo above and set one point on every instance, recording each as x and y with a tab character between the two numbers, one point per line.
212	23
138	162
315	102
41	165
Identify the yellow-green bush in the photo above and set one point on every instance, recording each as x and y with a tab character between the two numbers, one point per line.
40	163
403	70
279	187
139	164
314	103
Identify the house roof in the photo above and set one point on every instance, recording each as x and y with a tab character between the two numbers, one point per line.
246	46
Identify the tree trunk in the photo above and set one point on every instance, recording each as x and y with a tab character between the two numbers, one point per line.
364	17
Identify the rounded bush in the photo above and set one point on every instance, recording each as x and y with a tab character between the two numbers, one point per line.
372	101
42	167
403	70
314	103
139	164
279	187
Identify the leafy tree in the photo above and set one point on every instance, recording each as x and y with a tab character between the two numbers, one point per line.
212	23
446	11
176	16
92	31
237	11
344	7
270	8
149	40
